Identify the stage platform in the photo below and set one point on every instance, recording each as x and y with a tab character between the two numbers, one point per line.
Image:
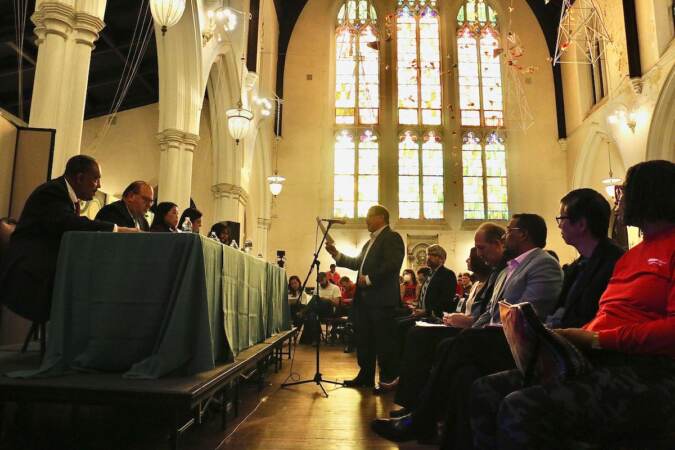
185	399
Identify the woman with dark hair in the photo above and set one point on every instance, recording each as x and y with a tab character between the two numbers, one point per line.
222	232
297	300
630	390
166	218
409	288
195	217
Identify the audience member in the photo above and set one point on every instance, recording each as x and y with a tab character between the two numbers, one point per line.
195	217
465	280
409	289
28	269
481	272
328	292
630	342
222	232
376	297
348	288
130	211
333	276
531	275
166	218
297	301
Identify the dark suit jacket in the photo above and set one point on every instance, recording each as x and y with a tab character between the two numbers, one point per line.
440	295
118	214
28	269
580	298
382	267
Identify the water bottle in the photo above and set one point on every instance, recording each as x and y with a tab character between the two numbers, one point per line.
187	226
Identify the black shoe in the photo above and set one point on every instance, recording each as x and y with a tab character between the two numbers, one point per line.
359	382
398	430
399	413
381	389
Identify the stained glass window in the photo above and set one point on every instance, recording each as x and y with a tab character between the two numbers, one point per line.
418	61
420	180
482	112
355	179
357	72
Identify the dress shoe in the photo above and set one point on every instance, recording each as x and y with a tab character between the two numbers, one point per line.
383	388
399	413
398	430
359	382
389	385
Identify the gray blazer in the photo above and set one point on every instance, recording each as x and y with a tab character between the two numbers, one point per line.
537	280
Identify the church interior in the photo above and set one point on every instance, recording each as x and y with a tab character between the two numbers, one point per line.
273	115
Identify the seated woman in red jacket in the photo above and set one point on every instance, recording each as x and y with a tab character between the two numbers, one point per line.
631	344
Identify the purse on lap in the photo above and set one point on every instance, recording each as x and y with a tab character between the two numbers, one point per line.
541	355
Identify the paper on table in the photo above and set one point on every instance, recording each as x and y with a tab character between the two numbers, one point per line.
329	238
419	323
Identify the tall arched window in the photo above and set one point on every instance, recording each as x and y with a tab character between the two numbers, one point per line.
418	75
481	112
357	98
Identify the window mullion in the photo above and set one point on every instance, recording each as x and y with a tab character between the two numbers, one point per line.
356	173
483	157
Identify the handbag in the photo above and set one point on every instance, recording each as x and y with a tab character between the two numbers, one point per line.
541	355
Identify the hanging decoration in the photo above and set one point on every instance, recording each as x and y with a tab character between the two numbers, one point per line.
167	13
239	118
611	182
276	181
582	33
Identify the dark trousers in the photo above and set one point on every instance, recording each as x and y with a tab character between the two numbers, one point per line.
416	361
623	396
374	330
460	360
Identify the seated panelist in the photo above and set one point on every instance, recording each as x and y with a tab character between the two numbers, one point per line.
130	212
166	218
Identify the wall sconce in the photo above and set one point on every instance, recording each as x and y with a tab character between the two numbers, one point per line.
622	115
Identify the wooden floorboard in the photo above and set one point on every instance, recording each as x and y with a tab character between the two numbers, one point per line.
296	418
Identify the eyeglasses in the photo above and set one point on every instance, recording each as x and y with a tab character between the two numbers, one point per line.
559	219
510	229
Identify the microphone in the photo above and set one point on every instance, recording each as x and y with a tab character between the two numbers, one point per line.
338	221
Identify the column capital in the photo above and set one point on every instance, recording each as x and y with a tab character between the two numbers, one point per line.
172	138
53	18
88	27
264	223
230	191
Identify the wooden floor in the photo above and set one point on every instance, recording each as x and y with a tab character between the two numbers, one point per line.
297	417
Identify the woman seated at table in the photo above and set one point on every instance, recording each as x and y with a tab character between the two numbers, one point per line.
195	217
630	390
222	232
166	218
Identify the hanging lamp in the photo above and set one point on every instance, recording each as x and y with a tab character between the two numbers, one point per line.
167	13
239	118
276	181
611	182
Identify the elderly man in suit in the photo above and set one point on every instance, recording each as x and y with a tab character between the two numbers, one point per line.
130	212
376	297
532	275
27	273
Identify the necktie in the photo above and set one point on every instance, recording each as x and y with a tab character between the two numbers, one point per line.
77	208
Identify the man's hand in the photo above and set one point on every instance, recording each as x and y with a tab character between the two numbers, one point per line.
362	282
330	248
127	230
581	338
457	320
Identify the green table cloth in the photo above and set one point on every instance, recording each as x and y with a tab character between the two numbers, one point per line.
150	304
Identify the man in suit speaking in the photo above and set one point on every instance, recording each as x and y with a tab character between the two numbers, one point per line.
28	269
130	211
376	297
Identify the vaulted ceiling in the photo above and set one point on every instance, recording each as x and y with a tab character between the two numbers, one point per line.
107	61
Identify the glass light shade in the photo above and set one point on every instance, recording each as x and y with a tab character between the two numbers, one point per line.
238	121
276	183
609	185
167	13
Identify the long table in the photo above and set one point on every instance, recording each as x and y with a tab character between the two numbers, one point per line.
154	304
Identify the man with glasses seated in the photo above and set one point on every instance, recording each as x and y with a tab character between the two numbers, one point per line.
130	211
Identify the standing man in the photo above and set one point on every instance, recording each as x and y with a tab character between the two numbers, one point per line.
130	212
28	270
376	298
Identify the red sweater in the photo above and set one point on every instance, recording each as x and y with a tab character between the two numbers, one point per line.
636	312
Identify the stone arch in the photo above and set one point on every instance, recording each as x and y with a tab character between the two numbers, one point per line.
661	140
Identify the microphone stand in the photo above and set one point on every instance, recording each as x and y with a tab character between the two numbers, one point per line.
313	313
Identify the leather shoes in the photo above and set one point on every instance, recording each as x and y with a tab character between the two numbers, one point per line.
383	388
398	430
391	385
399	413
359	382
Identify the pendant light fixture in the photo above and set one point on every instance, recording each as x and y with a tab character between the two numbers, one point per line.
239	118
611	182
276	181
167	13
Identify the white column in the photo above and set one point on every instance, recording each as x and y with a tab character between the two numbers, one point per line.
175	166
65	39
261	238
230	202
